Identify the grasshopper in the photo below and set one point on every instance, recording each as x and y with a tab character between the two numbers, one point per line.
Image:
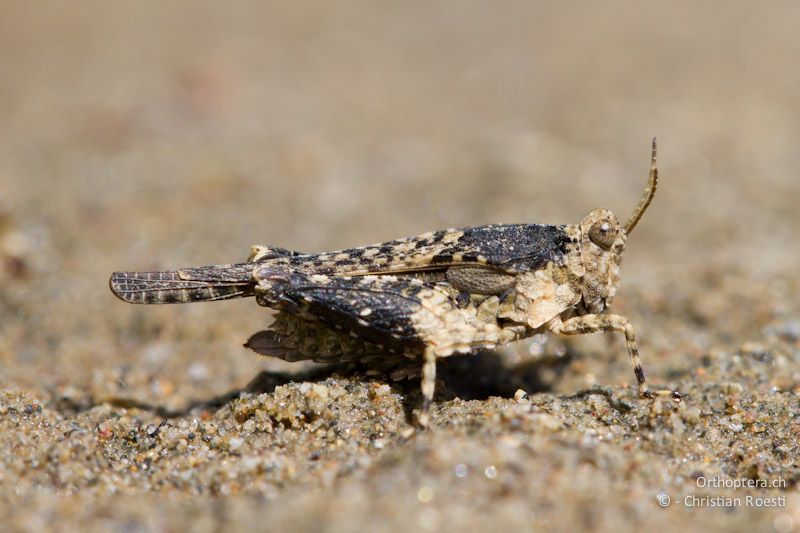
422	298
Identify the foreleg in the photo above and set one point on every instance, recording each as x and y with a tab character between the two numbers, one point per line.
580	325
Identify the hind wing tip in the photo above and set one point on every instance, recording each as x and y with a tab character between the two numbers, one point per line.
114	284
120	285
170	287
139	287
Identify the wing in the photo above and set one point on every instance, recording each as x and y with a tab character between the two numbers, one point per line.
376	309
510	248
215	282
403	315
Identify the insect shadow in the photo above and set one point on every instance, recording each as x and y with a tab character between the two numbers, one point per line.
468	377
488	373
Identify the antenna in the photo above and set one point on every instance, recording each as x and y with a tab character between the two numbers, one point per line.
649	192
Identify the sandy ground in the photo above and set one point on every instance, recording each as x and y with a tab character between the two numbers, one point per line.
148	136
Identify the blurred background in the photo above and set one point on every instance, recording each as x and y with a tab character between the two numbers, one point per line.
155	135
152	136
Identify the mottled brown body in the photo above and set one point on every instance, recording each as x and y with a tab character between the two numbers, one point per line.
424	297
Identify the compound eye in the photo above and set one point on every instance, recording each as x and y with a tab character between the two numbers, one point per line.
603	234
